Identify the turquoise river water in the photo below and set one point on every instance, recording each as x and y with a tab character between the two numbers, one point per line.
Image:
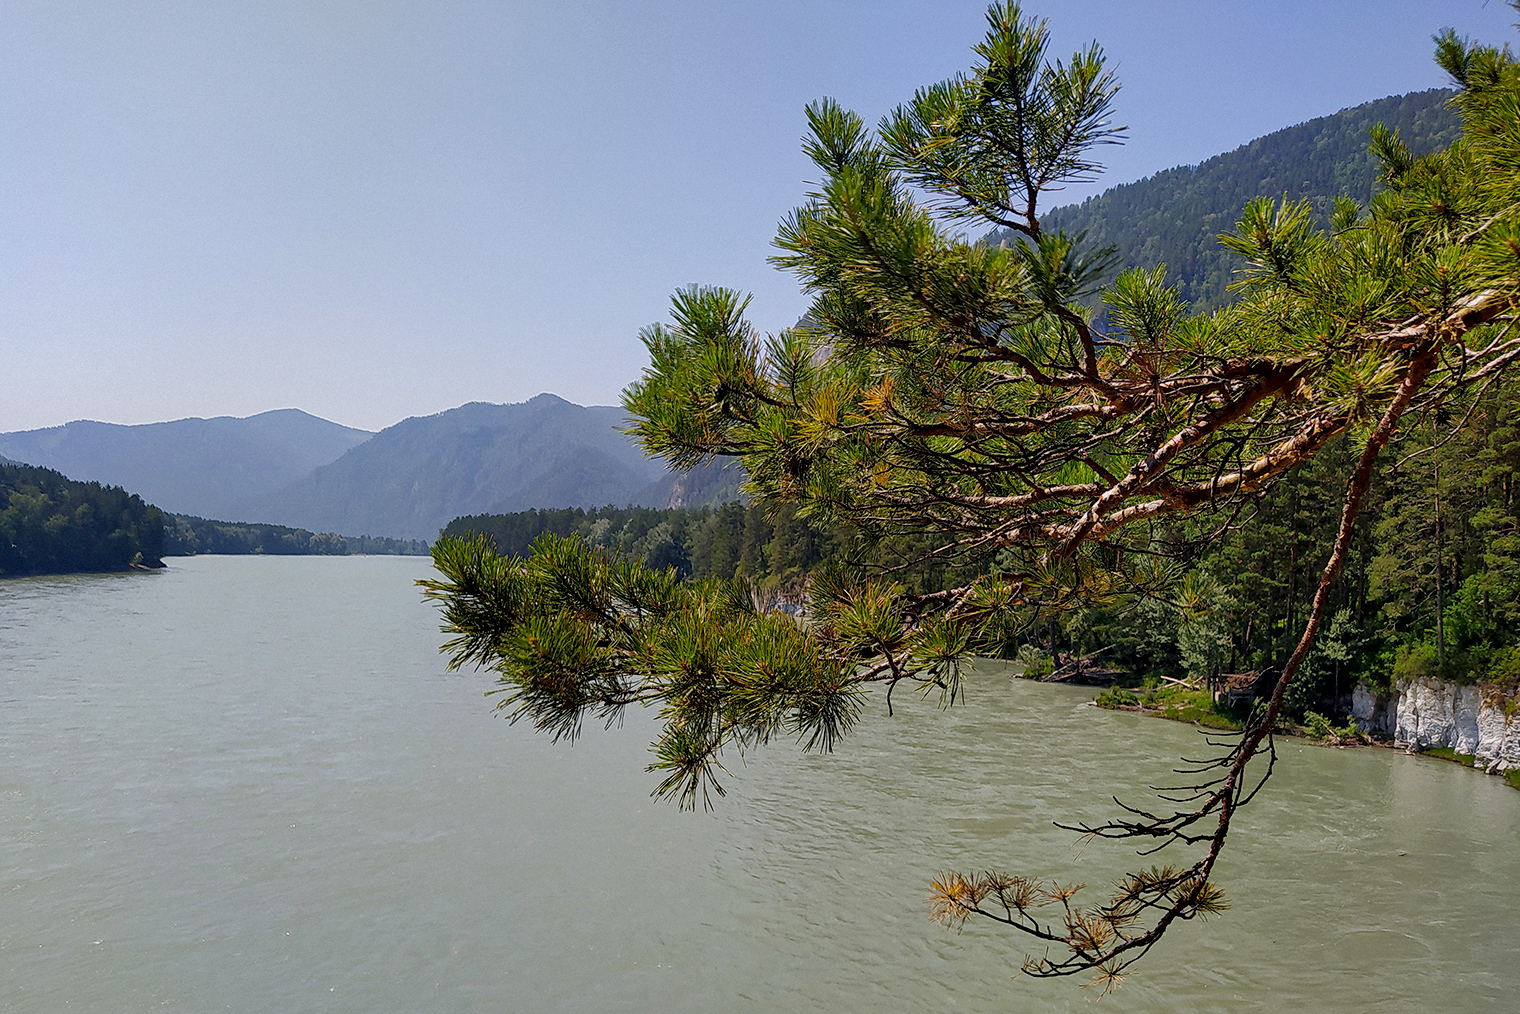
248	784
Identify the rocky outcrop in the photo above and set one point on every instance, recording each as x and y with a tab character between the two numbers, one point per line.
1373	712
1480	720
792	601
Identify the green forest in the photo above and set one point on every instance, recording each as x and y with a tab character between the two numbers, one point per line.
1308	486
191	536
1430	586
50	524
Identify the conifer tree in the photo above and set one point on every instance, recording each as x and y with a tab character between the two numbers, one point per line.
961	394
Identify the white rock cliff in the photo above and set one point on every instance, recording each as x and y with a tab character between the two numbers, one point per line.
1479	720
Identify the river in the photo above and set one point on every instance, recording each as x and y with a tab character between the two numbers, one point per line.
248	784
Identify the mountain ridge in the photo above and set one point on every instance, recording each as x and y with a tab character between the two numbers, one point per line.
201	466
411	479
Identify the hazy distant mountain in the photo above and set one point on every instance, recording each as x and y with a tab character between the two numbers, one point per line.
1175	217
410	480
213	468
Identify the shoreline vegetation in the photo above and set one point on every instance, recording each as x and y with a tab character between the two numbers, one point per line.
51	524
1178	702
185	535
778	554
1175	703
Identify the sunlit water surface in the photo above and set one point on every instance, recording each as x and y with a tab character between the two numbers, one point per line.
248	784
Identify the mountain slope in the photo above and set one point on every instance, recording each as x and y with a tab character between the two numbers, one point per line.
1175	217
206	467
413	478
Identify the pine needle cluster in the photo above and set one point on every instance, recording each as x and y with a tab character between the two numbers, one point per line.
575	633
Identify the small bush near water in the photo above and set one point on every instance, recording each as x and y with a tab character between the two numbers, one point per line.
1447	753
1317	726
1179	704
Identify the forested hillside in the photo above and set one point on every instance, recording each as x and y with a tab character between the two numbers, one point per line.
50	524
1433	582
1175	217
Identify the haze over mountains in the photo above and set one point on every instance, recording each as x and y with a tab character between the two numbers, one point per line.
207	467
411	479
407	481
415	477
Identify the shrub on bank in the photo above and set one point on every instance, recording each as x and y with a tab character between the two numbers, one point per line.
1180	704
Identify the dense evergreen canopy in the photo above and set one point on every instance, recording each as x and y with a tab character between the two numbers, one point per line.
1429	586
50	524
959	394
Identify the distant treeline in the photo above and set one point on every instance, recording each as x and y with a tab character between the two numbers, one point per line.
191	536
776	550
51	524
728	541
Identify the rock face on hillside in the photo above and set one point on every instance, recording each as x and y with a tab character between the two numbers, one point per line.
1475	720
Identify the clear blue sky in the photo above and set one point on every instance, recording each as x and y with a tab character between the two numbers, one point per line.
372	210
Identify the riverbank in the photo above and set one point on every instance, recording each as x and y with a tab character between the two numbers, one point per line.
1476	725
1174	703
